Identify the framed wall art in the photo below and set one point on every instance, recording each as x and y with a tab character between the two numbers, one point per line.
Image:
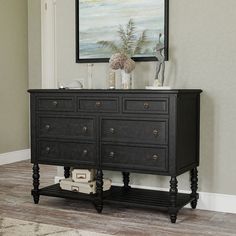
101	22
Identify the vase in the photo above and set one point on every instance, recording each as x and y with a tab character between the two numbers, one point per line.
112	79
89	76
126	80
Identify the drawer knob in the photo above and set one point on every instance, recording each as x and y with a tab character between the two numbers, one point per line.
155	157
98	104
85	152
146	105
111	154
112	130
155	132
85	129
55	103
47	127
48	149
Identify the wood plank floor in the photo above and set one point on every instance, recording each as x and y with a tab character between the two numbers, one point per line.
16	202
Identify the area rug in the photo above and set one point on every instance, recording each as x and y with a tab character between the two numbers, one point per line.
10	227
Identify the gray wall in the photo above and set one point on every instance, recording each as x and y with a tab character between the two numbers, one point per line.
34	45
202	55
13	76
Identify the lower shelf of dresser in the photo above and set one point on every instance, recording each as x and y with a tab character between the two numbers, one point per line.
146	198
132	197
56	191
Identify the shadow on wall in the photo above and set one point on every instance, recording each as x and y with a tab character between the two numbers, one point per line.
171	71
207	144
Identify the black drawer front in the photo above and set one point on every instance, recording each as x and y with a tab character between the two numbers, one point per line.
143	105
56	104
135	131
66	127
136	158
98	104
67	152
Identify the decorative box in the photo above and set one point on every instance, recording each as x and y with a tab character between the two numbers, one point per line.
90	187
82	175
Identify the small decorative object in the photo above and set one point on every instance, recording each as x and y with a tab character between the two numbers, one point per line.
112	79
160	66
88	188
130	45
75	84
126	65
82	175
126	80
90	76
61	85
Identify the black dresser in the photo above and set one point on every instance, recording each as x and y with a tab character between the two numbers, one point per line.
140	131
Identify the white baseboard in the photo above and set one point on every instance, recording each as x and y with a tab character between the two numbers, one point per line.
11	157
217	202
207	201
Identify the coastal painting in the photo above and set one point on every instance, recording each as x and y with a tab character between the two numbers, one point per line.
99	20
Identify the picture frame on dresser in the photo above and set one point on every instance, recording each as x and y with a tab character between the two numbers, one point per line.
92	27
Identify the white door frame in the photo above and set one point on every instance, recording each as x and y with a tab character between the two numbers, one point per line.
48	46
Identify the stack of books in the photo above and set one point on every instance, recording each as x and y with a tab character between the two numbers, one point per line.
83	181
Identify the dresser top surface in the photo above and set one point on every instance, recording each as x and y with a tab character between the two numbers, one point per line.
115	91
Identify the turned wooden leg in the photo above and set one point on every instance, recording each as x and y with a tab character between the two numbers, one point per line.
194	187
99	191
35	190
173	199
66	172
126	180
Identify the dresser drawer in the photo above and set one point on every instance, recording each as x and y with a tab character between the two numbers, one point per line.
98	104
135	131
132	157
143	105
55	104
66	152
66	127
